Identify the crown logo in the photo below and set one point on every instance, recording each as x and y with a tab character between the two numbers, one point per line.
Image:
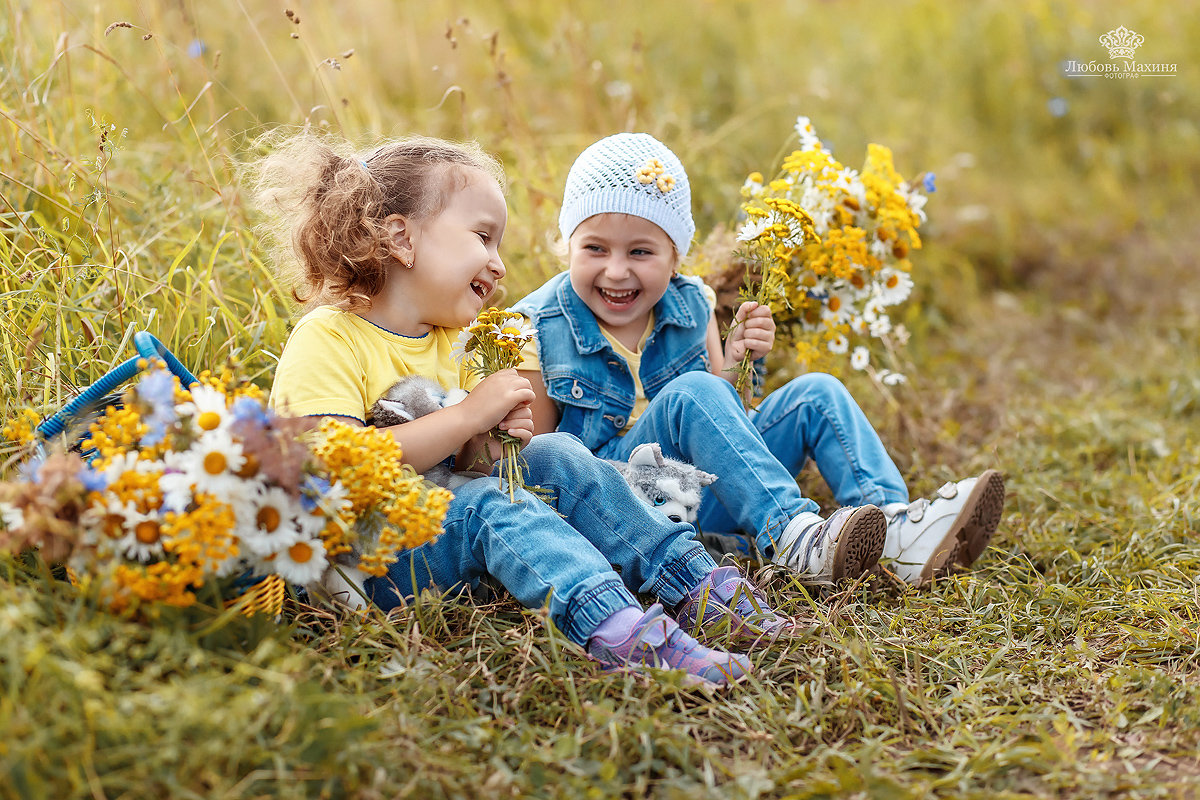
1121	42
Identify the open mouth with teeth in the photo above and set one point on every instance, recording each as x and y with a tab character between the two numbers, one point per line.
481	289
618	299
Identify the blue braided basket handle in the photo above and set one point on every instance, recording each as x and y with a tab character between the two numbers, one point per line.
149	348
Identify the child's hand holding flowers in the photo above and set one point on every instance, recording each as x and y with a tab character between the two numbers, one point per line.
499	402
492	347
752	334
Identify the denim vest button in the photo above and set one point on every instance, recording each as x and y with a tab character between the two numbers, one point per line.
619	422
576	392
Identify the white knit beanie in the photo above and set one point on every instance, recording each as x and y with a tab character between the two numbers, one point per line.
630	173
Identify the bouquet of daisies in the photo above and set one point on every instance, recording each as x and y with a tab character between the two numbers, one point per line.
492	343
179	493
843	237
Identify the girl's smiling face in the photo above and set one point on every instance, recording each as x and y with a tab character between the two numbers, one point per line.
455	252
620	267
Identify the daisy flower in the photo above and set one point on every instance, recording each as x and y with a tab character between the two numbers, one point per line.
894	286
860	358
517	331
208	408
881	326
839	344
807	134
752	229
302	562
270	524
213	462
143	537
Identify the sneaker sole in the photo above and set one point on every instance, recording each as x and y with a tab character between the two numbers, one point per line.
860	544
986	502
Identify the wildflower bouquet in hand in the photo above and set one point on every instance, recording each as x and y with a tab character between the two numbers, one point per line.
768	243
180	492
492	343
853	263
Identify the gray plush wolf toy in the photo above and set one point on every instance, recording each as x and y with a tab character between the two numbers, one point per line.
412	397
665	485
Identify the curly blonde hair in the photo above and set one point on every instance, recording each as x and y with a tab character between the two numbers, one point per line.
325	203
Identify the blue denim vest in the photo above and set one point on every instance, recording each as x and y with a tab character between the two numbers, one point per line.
585	377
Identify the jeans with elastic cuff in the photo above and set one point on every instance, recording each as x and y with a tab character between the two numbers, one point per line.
699	418
565	554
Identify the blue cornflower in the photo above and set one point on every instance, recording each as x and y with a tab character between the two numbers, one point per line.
314	486
93	480
158	389
927	182
249	409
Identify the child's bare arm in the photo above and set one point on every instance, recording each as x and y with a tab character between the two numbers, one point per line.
545	412
716	353
501	399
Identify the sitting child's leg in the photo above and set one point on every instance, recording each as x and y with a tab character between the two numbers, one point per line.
698	418
654	554
814	416
541	560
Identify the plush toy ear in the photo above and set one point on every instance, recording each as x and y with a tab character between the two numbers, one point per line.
396	408
705	478
646	455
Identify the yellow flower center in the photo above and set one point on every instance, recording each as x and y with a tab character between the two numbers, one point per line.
209	420
147	532
215	463
249	467
300	552
835	303
112	526
511	331
893	281
268	518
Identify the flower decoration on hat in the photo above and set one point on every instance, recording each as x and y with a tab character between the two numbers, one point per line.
655	172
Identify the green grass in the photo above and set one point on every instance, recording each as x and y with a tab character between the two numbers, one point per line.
1054	322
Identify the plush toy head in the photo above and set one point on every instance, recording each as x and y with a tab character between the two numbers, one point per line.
668	486
411	397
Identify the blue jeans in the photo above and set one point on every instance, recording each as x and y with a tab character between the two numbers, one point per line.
566	562
698	418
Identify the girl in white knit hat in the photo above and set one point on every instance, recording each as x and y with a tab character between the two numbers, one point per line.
628	351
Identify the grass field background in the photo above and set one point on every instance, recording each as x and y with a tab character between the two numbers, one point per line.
1055	326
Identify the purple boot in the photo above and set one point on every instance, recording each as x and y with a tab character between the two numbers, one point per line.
726	602
626	640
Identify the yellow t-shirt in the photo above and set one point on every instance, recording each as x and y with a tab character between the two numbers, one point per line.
336	362
633	358
530	360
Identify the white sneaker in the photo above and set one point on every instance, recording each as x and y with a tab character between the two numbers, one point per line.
926	538
824	552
